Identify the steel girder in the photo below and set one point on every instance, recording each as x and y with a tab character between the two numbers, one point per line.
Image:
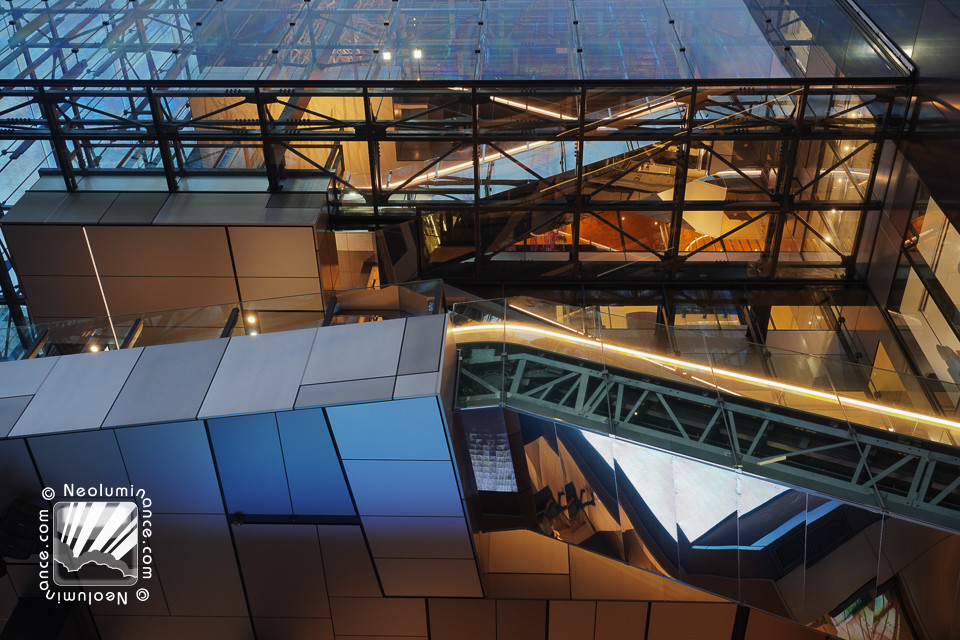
905	475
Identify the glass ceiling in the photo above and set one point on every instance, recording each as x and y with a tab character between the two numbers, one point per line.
384	40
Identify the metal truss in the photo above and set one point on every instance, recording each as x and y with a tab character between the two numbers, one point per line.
905	475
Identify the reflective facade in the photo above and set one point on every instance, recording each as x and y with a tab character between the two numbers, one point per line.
751	148
732	384
770	545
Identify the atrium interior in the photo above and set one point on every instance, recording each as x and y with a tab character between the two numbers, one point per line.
645	313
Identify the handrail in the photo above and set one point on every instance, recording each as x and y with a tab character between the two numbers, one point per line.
817	438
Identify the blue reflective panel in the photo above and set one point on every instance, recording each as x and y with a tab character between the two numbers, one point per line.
250	462
404	488
530	41
336	39
84	459
396	430
634	40
173	464
723	40
317	486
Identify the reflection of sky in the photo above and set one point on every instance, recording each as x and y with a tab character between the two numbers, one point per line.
602	443
693	494
595	39
651	474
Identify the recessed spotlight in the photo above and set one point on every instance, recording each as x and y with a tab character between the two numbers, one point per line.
417	54
387	55
251	319
94	348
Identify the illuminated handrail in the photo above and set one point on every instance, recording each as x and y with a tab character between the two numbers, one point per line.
718	373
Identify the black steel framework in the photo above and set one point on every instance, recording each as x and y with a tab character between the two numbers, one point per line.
487	166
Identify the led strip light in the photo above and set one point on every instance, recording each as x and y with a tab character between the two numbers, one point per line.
716	372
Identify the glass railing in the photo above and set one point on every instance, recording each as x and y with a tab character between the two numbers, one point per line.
226	320
716	365
493	330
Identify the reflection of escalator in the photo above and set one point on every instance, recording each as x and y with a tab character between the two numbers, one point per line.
661	405
782	550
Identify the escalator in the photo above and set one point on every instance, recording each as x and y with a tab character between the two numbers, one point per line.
798	428
823	512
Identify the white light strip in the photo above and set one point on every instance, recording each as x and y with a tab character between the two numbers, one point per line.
466	165
544	318
530	145
719	373
96	272
526	107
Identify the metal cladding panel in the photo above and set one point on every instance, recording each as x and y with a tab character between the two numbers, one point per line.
272	251
346	562
418	384
250	463
423	341
8	599
452	619
140	295
521	619
169	382
522	551
18	478
10	411
406	537
379	616
404	488
282	570
410	429
82	208
41	250
682	620
314	475
259	373
149	251
86	459
197	564
173	464
212	208
429	577
78	393
24	377
166	627
571	620
34	206
134	208
370	389
619	619
287	628
355	351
